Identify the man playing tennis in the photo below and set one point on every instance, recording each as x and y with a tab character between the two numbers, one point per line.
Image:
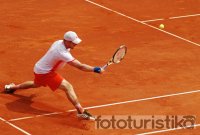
45	71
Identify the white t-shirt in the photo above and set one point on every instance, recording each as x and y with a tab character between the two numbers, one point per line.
56	57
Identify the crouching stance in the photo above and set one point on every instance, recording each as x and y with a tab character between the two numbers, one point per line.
45	71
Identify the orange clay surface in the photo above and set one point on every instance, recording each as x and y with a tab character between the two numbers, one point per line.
156	63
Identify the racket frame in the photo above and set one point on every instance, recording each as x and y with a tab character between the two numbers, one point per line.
111	61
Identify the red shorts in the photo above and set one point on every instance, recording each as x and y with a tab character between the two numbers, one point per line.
52	79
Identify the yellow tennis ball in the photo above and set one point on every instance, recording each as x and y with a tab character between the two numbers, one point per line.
161	26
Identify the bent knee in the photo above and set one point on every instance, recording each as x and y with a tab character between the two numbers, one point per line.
66	85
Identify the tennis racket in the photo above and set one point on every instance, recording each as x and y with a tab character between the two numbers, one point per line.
117	57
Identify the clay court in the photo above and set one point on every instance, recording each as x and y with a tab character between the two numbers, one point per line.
160	75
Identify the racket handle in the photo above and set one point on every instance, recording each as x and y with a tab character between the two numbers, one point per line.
104	67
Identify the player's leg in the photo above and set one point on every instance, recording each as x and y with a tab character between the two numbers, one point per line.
68	89
10	88
25	85
71	95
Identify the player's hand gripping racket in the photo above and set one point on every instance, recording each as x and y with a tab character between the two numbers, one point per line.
117	57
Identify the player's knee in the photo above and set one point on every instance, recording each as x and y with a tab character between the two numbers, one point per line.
67	85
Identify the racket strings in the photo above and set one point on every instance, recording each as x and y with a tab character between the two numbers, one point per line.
119	55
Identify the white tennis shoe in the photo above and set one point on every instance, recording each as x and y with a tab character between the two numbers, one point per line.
8	88
85	115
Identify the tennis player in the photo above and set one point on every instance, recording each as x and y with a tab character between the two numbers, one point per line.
45	71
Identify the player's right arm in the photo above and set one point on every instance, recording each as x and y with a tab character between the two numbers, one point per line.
84	67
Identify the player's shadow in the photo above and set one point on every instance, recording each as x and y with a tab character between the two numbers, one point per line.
70	119
23	105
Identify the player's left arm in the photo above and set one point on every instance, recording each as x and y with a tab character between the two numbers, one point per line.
84	67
